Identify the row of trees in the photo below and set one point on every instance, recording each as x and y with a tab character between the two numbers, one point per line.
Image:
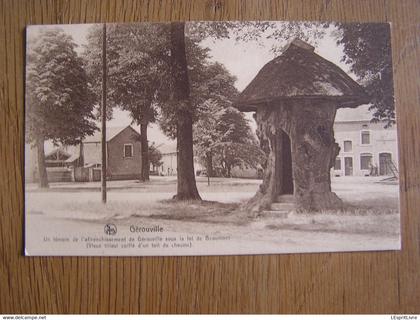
149	82
159	72
58	94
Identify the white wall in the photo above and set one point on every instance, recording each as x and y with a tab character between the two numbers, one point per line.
381	140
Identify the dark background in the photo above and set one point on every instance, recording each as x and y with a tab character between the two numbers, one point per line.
363	282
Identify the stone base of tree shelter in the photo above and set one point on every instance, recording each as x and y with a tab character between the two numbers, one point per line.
299	141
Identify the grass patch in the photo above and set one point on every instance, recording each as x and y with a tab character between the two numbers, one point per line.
199	211
369	216
366	223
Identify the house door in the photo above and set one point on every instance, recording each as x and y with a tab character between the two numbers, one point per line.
96	174
348	166
385	160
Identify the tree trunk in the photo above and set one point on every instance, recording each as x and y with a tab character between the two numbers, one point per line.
42	170
299	142
186	184
229	169
271	145
209	164
145	164
314	151
81	161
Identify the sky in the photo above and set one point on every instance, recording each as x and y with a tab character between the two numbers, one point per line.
242	59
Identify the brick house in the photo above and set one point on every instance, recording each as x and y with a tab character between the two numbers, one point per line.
123	154
65	164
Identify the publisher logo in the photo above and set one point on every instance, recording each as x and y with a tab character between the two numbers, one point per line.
110	229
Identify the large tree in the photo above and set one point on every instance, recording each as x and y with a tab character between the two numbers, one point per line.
180	96
138	71
222	135
59	101
367	49
180	85
200	74
155	156
178	109
224	138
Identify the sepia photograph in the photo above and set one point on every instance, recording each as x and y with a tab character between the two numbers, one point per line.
210	138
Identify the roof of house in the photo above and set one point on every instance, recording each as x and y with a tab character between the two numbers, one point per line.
167	147
111	132
59	150
162	142
73	157
299	73
361	113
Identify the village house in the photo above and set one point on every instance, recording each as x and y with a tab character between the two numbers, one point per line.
55	163
169	153
169	162
366	148
83	162
123	155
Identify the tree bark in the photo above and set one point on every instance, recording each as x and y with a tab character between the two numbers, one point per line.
145	164
228	169
186	184
209	164
271	185
42	170
300	164
314	150
81	160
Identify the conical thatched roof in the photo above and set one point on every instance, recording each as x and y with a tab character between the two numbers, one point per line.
299	73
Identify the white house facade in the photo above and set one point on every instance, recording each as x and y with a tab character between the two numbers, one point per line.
366	148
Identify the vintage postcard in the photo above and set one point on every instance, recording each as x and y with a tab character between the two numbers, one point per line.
210	138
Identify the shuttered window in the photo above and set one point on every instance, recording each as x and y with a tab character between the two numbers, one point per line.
128	150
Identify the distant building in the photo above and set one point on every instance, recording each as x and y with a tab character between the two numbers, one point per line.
169	162
169	159
55	163
366	148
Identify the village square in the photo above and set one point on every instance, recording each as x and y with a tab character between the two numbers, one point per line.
297	154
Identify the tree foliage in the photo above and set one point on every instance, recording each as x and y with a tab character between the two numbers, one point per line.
223	139
155	156
138	64
59	99
367	48
197	60
280	32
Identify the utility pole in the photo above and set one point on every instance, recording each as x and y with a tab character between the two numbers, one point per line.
103	116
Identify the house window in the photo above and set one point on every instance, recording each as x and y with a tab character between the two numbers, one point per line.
337	165
348	146
365	137
128	150
365	161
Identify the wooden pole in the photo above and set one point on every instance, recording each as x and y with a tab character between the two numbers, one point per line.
103	116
